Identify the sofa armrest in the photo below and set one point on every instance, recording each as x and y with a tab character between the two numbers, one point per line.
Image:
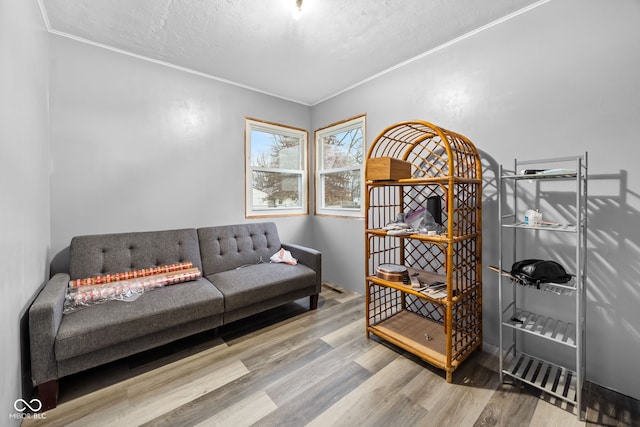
45	315
309	257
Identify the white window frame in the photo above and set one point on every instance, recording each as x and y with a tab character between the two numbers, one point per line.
333	129
252	211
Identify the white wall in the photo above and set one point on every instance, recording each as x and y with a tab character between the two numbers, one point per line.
140	146
560	79
24	186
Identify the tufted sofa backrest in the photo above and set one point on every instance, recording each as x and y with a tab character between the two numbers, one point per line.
97	255
227	247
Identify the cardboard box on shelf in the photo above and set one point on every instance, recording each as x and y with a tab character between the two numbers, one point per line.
387	169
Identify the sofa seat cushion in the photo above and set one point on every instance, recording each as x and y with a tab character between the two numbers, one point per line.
253	284
102	325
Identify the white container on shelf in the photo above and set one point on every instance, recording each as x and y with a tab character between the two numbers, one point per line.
533	218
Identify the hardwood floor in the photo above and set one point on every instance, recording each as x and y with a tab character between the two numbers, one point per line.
293	367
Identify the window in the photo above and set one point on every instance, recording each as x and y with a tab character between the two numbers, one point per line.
339	168
276	169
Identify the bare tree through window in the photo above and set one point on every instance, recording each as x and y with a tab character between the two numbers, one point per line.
279	189
340	154
276	169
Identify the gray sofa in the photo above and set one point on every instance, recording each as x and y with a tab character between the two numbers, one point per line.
237	281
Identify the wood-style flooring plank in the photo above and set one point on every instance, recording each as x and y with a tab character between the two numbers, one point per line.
358	405
510	406
345	333
146	400
326	365
209	404
608	408
462	401
135	400
293	367
243	413
393	408
314	400
549	415
376	357
307	326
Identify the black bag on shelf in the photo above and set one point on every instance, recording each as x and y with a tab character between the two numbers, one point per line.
536	271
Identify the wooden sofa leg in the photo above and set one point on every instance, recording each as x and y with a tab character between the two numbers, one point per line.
48	394
313	302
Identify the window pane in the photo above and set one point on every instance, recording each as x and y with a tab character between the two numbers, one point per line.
342	189
342	149
276	190
272	150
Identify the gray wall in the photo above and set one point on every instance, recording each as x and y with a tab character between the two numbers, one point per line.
558	80
140	146
135	146
24	185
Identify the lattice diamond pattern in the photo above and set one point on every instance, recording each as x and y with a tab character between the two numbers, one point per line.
447	165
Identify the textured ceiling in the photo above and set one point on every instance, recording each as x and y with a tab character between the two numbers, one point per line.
257	44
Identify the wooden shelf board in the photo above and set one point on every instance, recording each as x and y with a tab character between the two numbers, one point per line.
424	181
424	277
408	289
439	238
407	330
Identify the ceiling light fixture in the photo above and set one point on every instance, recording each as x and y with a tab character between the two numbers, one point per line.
297	10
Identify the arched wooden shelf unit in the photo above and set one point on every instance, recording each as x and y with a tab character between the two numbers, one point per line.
442	326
